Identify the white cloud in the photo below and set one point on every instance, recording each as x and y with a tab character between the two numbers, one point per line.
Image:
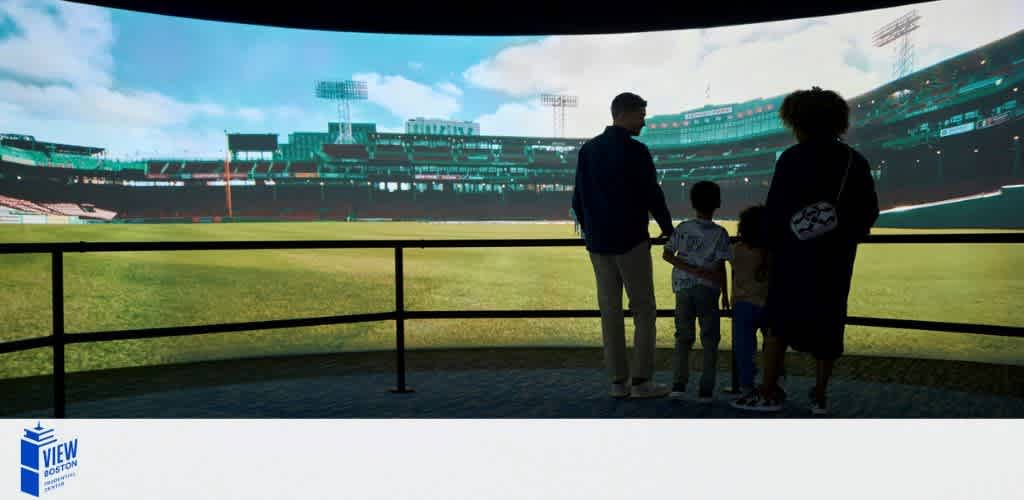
450	88
672	70
752	33
119	140
405	98
58	42
57	75
595	68
170	142
126	124
95	104
572	63
811	57
252	114
291	114
518	119
59	86
947	28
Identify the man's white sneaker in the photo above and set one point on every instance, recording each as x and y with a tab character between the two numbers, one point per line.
620	390
819	409
649	390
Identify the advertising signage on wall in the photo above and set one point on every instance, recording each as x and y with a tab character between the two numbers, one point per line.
711	112
959	129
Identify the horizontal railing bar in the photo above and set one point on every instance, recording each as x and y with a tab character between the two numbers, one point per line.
164	246
937	326
511	314
77	338
905	324
154	246
178	331
25	344
946	238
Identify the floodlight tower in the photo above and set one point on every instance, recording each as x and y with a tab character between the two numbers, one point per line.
899	31
558	104
343	93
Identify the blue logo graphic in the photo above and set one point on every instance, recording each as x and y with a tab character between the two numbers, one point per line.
46	462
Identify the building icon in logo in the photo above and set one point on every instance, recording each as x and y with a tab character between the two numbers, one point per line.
46	462
32	443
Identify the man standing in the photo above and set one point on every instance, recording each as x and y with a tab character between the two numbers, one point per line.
616	188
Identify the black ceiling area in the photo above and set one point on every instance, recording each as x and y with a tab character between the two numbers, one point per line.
503	17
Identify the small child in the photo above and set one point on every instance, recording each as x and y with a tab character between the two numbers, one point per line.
749	293
697	251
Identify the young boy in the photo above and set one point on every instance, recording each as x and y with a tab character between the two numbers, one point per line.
697	251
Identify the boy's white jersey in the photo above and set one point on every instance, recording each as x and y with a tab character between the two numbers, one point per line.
700	243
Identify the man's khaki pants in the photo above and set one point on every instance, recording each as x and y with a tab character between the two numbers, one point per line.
632	270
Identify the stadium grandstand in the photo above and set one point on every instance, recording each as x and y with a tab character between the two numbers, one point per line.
15	210
947	132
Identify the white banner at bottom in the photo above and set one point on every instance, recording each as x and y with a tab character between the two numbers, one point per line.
507	459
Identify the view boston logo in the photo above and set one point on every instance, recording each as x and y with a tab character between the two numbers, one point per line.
46	462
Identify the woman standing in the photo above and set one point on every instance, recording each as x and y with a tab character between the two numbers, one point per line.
821	204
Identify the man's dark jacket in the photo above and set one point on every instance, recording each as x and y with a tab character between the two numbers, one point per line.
616	188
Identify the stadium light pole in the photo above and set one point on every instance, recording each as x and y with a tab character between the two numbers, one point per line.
558	103
899	31
342	93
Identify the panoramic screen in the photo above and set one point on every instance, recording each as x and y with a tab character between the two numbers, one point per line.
115	116
123	126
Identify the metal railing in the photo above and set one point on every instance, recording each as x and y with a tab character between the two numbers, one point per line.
58	339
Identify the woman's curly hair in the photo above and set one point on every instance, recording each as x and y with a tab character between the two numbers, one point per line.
816	113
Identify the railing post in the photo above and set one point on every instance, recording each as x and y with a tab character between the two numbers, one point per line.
400	388
57	288
735	371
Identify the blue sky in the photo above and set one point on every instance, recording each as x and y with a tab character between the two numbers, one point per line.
143	85
251	66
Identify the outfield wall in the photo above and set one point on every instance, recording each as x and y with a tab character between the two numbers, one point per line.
16	218
1002	209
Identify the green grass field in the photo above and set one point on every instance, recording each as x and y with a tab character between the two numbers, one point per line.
966	283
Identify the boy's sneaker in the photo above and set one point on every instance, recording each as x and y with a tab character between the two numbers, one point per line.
678	391
758	401
705	398
818	408
649	390
620	390
741	393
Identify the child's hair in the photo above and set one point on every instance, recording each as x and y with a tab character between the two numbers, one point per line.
706	197
751	226
751	232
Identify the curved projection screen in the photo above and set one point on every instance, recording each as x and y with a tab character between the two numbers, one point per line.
110	115
121	126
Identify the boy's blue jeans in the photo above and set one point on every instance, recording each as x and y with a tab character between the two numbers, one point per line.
697	303
746	319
